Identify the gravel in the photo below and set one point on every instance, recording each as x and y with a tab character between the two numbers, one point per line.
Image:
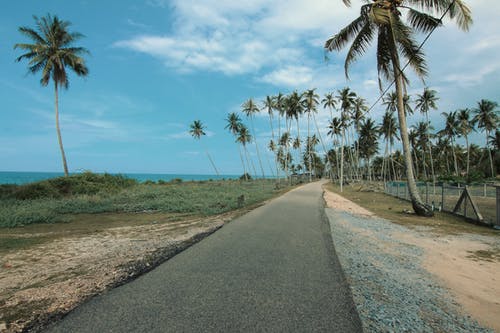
391	289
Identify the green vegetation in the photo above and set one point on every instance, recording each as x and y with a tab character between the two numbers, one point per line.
51	53
59	199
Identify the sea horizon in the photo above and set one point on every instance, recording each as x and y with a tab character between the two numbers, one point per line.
24	177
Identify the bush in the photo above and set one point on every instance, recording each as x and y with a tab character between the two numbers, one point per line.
176	181
245	176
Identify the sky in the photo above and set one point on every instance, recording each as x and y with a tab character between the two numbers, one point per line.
155	66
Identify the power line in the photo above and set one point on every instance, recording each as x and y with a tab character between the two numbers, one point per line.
408	62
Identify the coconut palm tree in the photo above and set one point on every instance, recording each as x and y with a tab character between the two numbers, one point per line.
396	42
334	131
294	110
250	108
233	125
486	117
389	130
495	140
269	106
329	102
358	111
244	137
450	130
368	137
197	130
310	102
465	127
346	97
424	103
52	52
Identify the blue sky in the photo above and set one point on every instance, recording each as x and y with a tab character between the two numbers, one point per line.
157	65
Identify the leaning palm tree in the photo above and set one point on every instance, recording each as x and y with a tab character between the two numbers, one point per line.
197	130
396	42
52	52
486	117
244	137
250	108
233	125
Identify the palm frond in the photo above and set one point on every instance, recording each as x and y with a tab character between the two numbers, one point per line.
360	45
384	56
422	22
462	14
340	40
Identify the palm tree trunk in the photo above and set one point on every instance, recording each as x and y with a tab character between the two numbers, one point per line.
308	144
243	163
58	129
257	147
342	161
489	153
210	159
455	164
468	153
430	152
418	205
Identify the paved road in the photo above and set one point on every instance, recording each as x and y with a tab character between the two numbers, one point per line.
272	270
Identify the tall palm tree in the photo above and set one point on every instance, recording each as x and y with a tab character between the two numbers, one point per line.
335	130
250	108
451	131
486	117
424	103
310	102
389	130
368	137
244	137
269	106
346	97
465	127
294	110
395	41
197	130
329	102
233	125
358	111
52	52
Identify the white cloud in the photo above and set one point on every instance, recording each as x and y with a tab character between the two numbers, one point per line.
290	76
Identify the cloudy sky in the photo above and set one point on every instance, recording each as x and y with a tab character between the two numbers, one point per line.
157	65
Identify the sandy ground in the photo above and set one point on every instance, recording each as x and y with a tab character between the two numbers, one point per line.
44	282
473	279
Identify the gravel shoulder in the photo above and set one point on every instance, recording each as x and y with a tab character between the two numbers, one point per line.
413	280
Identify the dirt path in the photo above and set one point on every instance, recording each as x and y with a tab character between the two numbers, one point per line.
46	281
466	264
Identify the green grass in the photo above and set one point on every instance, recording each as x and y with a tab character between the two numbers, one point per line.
58	200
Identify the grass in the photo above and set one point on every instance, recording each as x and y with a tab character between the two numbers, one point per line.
59	199
400	211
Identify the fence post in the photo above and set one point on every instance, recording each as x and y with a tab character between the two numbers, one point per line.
442	196
426	192
497	224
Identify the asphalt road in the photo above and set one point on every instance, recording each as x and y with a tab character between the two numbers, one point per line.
271	270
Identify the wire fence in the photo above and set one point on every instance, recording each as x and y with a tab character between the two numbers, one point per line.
481	203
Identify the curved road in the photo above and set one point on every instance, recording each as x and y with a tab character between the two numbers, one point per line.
271	270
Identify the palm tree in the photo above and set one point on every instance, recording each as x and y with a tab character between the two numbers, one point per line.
495	140
310	102
294	110
270	106
465	126
233	125
335	129
346	98
424	104
51	52
330	103
368	136
250	108
244	137
358	111
389	131
196	129
395	41
486	117
450	130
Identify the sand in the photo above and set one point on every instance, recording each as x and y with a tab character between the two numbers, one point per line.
461	263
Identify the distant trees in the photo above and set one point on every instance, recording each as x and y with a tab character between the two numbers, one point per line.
197	130
51	53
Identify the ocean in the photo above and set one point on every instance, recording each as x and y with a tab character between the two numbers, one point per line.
9	177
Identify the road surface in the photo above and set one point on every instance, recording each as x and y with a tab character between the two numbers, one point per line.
271	270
